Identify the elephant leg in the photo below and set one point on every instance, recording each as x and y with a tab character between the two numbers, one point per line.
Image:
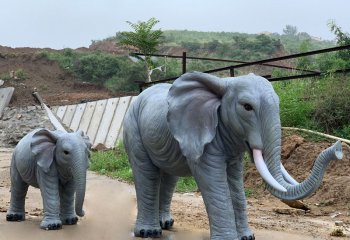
235	180
147	182
67	212
211	178
48	183
19	190
167	187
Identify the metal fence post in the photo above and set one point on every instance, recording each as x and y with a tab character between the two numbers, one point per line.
184	62
232	72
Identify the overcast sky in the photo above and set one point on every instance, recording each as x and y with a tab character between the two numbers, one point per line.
74	23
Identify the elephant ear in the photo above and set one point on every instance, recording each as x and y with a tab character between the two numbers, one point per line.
43	146
193	101
86	139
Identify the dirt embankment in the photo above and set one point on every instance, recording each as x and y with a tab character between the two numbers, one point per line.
56	85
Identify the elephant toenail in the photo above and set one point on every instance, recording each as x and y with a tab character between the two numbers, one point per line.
149	233
142	233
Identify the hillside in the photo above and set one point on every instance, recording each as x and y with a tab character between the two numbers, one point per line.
27	70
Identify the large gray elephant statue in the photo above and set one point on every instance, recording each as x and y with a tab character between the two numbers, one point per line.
56	162
202	125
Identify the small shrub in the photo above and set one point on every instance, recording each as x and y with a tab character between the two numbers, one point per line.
20	74
5	77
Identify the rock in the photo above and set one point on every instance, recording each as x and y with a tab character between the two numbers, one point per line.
17	122
99	147
1	82
339	223
336	214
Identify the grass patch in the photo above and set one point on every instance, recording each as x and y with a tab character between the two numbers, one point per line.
113	163
186	184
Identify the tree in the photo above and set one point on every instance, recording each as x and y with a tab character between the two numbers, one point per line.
290	30
144	38
342	38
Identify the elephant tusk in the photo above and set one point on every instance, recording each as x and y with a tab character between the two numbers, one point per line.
264	172
288	177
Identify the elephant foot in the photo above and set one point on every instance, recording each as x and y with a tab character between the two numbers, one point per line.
167	224
166	220
15	217
51	224
250	237
148	232
70	220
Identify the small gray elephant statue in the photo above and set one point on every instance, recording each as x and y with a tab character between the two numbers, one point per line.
56	162
202	125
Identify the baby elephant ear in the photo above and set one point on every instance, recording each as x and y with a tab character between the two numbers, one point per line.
193	101
86	138
43	147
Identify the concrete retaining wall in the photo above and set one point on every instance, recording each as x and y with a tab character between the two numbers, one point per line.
5	97
100	120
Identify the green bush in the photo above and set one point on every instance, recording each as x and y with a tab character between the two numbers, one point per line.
332	108
97	68
295	108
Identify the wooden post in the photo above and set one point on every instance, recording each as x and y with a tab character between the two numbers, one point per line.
232	72
183	62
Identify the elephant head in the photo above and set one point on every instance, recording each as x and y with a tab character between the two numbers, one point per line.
70	152
243	113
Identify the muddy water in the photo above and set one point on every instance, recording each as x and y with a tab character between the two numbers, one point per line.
110	208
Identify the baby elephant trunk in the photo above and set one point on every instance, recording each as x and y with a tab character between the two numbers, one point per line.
79	175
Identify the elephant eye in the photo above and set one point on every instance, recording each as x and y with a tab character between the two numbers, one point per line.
248	107
65	152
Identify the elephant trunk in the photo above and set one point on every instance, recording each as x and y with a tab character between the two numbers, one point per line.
279	182
301	190
79	176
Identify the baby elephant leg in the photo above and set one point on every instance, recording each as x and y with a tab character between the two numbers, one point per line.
167	188
19	190
48	184
67	214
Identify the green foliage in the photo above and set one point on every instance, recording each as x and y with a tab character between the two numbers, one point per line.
144	38
186	184
5	76
97	68
117	73
295	110
343	38
290	30
332	110
20	74
113	163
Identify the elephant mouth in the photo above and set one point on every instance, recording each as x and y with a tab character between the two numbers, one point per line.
249	150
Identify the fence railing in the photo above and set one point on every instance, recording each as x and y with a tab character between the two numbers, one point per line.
241	64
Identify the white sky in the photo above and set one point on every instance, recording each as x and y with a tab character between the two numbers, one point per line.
74	23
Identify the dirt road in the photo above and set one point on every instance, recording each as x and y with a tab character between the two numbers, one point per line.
111	209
